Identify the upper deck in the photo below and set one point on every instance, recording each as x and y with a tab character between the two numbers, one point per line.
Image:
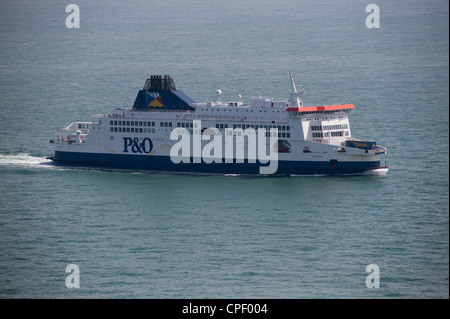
323	124
328	109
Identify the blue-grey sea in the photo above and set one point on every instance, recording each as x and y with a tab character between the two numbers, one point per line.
146	235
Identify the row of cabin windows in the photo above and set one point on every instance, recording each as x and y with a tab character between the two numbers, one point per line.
165	124
327	134
267	134
239	133
256	126
132	129
317	135
339	133
183	124
329	127
190	125
246	110
335	127
131	123
186	125
242	126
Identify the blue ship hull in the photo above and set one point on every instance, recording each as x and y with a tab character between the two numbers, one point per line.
165	164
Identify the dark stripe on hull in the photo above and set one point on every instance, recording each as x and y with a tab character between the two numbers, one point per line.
164	163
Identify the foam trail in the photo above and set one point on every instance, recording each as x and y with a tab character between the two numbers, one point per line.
24	160
379	171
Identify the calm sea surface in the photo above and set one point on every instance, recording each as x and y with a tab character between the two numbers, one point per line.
141	235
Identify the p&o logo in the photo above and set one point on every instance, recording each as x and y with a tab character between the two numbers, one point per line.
136	146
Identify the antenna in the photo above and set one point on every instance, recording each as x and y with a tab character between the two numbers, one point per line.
294	89
293	98
218	96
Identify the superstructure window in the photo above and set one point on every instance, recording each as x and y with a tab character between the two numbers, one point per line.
335	127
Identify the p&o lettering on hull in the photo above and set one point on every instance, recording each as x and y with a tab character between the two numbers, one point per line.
136	146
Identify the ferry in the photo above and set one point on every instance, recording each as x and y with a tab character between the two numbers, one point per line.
219	137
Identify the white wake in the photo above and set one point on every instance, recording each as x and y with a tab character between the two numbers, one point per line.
23	160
